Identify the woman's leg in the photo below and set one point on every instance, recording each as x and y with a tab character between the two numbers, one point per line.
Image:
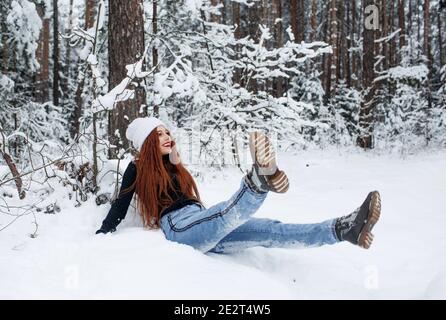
203	228
355	228
275	234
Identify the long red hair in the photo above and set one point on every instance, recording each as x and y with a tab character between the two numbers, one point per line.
154	180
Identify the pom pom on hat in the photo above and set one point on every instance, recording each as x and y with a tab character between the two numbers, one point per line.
140	128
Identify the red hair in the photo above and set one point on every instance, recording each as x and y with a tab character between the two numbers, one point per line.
154	176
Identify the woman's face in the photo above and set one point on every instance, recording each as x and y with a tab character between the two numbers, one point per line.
165	140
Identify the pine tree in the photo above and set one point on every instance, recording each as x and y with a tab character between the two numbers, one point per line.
346	104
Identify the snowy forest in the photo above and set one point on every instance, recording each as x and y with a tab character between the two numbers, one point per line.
363	75
348	73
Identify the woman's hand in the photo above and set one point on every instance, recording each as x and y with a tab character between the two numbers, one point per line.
101	231
174	156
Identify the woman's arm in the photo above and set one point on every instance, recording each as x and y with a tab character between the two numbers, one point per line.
119	207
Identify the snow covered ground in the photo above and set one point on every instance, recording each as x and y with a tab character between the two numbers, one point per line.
407	260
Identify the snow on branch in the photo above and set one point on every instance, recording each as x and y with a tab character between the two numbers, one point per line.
418	73
24	23
389	37
121	92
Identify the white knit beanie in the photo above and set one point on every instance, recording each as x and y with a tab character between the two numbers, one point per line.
140	128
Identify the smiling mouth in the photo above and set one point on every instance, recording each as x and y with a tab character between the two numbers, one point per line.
166	144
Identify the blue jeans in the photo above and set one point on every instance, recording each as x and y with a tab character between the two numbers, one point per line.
228	226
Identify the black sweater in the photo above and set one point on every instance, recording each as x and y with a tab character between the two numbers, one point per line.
119	207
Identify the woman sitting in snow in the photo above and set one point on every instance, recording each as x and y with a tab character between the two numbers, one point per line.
168	198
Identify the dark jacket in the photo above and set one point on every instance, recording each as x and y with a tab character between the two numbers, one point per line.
119	207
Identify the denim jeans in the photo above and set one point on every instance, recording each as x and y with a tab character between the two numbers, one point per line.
228	226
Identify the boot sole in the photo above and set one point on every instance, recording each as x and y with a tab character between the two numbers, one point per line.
263	153
280	182
366	237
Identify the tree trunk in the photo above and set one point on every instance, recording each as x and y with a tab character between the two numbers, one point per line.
297	16
385	33
293	18
267	19
427	50
427	34
313	20
224	12
68	63
70	28
365	139
254	17
353	41
154	49
90	6
402	25
340	63
78	102
326	57
277	14
301	22
43	53
56	93
409	19
11	165
236	21
333	58
393	57
348	75
5	48
392	45
13	168
214	17
418	26
440	38
125	46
